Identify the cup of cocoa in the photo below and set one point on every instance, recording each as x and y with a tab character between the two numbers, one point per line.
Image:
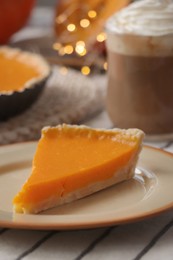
140	67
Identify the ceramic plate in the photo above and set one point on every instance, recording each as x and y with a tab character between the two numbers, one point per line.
149	193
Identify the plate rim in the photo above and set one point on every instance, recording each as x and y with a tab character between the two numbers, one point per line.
84	224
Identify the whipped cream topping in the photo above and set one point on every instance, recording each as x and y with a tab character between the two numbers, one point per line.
144	28
144	17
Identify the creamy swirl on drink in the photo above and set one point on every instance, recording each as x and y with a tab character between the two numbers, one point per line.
152	19
140	66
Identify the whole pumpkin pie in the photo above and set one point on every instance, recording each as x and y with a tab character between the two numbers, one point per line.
22	78
72	162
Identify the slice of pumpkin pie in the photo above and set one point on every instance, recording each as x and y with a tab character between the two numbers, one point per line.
72	162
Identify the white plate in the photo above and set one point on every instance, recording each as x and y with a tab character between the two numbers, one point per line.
148	194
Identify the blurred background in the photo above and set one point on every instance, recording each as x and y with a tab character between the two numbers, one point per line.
46	2
70	36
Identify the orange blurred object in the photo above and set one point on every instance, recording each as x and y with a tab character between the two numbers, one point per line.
78	20
13	16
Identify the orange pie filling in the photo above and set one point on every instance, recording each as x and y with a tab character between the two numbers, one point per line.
69	159
18	68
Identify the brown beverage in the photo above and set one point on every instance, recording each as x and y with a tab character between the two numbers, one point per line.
140	77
